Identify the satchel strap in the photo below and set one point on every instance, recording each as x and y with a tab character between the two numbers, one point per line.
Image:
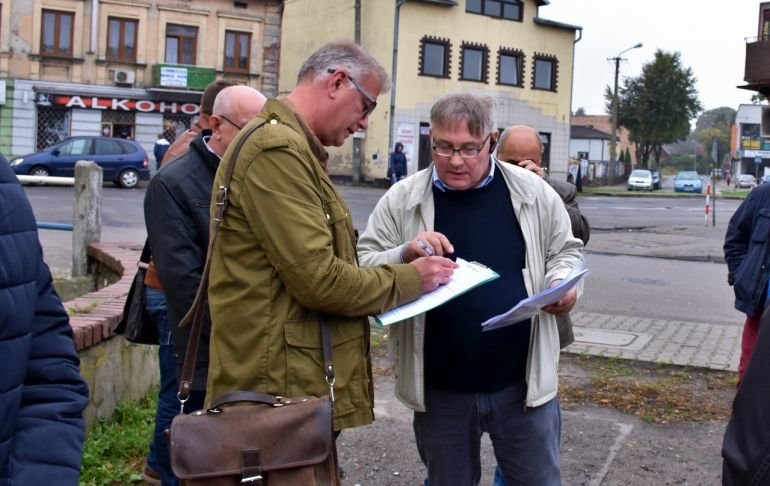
197	311
145	256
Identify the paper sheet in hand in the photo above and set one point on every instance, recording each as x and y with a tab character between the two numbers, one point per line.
532	305
467	276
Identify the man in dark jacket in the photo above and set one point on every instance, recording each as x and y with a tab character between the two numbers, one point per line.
746	447
746	252
397	164
42	395
176	211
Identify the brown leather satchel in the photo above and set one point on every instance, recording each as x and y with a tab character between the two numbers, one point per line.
245	437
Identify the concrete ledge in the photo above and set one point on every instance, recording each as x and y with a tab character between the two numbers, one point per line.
114	369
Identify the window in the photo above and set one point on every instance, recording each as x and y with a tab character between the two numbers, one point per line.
434	57
108	147
181	44
510	65
505	9
544	76
79	146
56	33
237	51
121	40
473	63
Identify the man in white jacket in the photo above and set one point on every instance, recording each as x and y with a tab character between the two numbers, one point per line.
460	381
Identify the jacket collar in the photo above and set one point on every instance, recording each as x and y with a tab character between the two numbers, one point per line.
515	179
288	115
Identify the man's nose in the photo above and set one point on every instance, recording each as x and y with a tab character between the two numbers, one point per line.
363	123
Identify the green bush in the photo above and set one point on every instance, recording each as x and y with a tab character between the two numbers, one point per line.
115	449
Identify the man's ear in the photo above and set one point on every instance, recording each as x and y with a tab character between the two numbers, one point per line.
333	83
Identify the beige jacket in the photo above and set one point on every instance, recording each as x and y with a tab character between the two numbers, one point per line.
552	251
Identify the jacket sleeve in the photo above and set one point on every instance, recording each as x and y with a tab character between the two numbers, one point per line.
383	240
282	202
568	193
738	235
48	442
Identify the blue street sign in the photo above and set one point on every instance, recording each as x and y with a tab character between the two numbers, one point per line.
758	160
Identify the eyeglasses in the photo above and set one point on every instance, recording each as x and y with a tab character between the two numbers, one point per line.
239	127
368	109
465	152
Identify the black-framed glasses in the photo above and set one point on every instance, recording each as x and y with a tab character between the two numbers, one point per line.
239	127
465	152
368	109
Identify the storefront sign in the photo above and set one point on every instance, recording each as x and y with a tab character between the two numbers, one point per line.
406	134
120	104
173	77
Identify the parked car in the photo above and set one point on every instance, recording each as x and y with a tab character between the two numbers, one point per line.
640	179
124	162
688	181
745	181
655	179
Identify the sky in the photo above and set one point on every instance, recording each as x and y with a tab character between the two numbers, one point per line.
709	34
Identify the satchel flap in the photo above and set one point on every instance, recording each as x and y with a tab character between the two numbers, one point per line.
209	444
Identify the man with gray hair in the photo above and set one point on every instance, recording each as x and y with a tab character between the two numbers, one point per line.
285	252
460	381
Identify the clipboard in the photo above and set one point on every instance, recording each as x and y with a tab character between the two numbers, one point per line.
467	276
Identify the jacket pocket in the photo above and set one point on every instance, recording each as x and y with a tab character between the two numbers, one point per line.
304	362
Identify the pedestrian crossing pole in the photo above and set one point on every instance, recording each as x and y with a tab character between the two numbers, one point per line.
715	158
708	198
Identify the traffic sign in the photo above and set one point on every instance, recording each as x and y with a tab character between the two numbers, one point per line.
758	160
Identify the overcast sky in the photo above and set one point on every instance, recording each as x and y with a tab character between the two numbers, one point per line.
710	35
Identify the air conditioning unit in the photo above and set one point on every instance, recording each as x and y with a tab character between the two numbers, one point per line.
123	77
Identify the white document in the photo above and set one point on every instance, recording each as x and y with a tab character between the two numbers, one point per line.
530	306
465	277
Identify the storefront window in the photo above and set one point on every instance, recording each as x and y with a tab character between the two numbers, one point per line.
53	126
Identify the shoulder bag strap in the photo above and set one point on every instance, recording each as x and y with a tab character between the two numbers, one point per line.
197	311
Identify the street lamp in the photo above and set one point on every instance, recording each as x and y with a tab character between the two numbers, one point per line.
613	140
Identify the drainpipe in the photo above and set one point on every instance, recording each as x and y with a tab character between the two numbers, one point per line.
356	140
394	76
94	24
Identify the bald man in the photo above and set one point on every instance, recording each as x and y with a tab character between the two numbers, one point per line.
521	145
176	212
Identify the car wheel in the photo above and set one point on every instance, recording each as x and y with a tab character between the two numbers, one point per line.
39	171
128	179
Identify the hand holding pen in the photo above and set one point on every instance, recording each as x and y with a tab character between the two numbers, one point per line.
427	244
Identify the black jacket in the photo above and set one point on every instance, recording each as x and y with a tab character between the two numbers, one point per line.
746	250
176	212
746	447
42	395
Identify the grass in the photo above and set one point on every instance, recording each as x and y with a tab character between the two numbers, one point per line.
115	449
653	392
79	309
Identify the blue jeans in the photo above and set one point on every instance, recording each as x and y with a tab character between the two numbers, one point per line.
168	405
526	443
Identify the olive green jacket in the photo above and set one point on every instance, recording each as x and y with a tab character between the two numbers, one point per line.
285	252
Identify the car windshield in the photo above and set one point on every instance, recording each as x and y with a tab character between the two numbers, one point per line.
641	173
687	175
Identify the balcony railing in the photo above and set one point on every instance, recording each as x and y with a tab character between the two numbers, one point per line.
757	71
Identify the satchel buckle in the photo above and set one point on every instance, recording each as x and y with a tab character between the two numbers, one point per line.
253	479
221	203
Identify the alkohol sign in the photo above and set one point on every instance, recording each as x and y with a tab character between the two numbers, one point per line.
119	104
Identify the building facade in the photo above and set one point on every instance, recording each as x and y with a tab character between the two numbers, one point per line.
122	68
501	48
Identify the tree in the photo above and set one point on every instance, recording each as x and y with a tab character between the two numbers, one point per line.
657	106
580	111
715	123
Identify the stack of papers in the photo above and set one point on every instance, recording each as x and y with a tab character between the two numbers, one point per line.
467	276
530	306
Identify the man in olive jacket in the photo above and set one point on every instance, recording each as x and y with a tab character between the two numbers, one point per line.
286	249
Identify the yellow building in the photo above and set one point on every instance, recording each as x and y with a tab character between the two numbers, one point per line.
500	48
125	68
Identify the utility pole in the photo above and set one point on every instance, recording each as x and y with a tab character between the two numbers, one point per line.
357	141
613	169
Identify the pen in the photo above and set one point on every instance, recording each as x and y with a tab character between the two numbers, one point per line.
425	247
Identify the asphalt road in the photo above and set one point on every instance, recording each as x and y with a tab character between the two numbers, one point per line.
621	285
